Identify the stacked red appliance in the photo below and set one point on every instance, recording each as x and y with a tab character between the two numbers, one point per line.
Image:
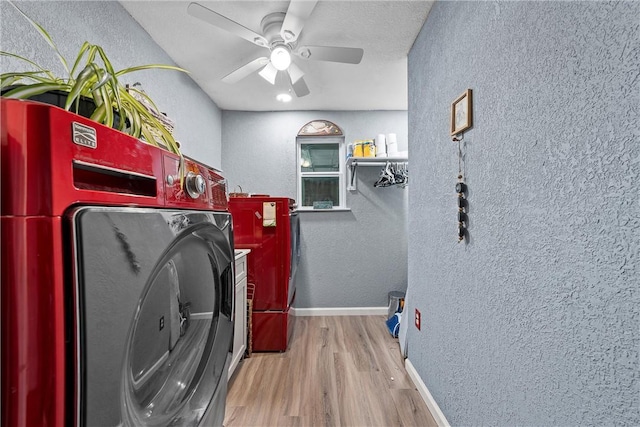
116	280
269	226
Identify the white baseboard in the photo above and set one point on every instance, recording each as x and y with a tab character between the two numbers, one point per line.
426	395
341	311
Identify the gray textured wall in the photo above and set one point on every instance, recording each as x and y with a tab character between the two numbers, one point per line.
108	24
534	321
349	259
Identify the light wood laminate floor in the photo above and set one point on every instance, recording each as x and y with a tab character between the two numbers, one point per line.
338	371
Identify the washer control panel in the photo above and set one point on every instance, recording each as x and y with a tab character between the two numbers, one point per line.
202	187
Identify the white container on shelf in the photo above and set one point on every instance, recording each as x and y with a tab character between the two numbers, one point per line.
381	146
392	145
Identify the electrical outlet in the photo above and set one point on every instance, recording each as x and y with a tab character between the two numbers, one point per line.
418	319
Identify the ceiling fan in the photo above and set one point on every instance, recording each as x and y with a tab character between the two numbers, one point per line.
280	34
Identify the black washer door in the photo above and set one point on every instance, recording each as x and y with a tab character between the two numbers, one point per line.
156	291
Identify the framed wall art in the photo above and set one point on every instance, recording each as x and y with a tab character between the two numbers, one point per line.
461	113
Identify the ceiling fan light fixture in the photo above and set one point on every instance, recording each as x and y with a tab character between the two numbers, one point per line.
283	97
280	58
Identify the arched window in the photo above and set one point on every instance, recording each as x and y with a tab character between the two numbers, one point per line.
320	128
321	166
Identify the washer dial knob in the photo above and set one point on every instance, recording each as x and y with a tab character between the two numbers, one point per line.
195	185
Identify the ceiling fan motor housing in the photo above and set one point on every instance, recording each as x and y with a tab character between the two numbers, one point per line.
271	26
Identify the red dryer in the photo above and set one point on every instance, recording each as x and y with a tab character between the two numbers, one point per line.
269	226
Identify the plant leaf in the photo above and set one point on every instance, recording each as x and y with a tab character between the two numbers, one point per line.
22	58
8	79
181	169
125	116
44	35
97	95
85	46
99	114
114	79
104	78
107	64
79	85
26	91
106	100
136	122
24	74
148	136
148	120
150	67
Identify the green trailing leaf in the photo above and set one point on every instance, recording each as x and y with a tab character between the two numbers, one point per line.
148	136
24	74
44	35
27	91
112	73
104	78
85	46
95	91
150	67
105	61
9	79
80	84
136	122
107	104
99	114
125	118
22	58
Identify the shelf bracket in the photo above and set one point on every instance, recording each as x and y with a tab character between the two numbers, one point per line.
351	176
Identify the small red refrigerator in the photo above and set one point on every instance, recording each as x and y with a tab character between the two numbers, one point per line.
269	226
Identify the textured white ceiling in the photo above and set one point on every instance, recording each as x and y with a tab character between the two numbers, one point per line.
384	29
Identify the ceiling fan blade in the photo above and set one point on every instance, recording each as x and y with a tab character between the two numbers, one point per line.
346	55
269	73
245	70
294	20
300	87
295	73
198	11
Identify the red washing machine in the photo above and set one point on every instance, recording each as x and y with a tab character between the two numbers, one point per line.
117	282
270	227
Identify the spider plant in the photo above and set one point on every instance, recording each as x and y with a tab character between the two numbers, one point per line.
91	76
